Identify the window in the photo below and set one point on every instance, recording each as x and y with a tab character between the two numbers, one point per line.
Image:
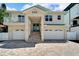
17	29
22	30
59	17
58	30
75	23
46	30
21	18
48	18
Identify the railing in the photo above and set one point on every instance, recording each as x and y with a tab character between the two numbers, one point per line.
13	22
9	20
17	22
75	29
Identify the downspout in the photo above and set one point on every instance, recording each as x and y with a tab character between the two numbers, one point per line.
69	21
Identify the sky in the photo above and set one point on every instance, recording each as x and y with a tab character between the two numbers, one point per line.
23	6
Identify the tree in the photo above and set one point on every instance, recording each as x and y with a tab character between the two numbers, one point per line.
3	12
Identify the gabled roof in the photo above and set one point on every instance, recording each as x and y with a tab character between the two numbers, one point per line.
70	6
42	8
48	11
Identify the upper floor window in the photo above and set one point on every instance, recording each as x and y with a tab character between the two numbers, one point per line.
59	17
21	18
48	18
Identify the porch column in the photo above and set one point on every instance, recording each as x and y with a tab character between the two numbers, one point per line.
42	28
26	28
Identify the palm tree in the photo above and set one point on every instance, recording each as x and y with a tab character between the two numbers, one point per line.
3	12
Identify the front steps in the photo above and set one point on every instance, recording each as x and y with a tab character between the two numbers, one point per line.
35	37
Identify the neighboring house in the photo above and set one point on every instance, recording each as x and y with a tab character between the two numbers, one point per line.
72	14
72	17
24	25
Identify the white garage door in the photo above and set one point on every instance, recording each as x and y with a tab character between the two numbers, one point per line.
54	35
18	35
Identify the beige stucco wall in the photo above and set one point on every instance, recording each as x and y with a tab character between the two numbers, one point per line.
16	27
54	27
29	11
29	27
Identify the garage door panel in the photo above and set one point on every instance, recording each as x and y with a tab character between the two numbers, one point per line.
18	35
54	35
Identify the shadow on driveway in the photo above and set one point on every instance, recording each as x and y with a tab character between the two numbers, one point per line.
16	44
76	41
55	41
23	44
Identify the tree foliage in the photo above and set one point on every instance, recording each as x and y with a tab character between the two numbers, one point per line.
3	12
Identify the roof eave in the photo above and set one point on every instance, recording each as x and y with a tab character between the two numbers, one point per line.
69	6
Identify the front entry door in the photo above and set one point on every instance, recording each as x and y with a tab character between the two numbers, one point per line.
36	27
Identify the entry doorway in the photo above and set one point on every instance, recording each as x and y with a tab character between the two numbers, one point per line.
36	27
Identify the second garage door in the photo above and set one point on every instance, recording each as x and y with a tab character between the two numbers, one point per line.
56	35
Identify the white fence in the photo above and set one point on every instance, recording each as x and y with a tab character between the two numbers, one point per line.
56	35
3	36
76	29
71	36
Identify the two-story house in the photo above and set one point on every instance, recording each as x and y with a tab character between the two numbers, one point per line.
35	24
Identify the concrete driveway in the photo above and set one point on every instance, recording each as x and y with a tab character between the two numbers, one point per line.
22	48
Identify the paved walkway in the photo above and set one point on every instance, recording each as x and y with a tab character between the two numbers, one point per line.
22	48
35	37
